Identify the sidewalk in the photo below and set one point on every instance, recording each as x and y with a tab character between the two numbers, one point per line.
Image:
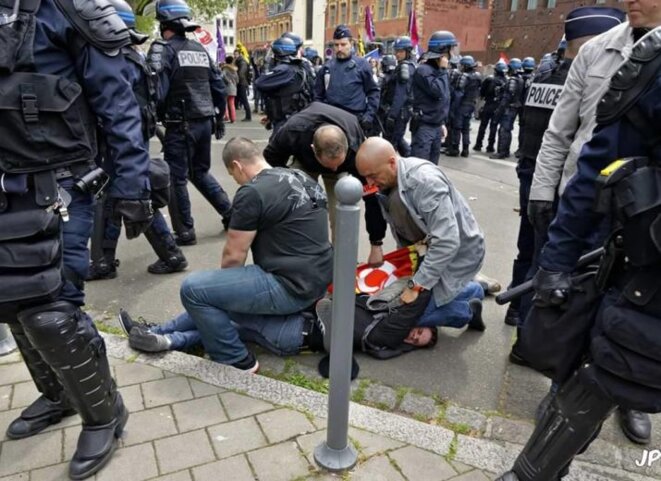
192	419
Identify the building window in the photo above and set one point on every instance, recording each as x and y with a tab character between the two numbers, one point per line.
394	8
409	6
231	42
231	23
224	23
332	19
600	1
343	13
382	9
354	11
514	6
532	4
225	39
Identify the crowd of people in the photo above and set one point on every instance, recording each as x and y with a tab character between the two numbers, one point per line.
587	164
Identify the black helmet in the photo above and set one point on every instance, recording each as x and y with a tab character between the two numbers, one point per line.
298	41
175	13
388	63
125	12
439	43
284	48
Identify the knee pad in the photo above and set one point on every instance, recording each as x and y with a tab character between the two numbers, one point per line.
49	325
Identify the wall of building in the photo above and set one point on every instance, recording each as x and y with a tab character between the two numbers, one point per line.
522	28
256	28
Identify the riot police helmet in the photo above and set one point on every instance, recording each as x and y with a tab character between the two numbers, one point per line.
175	15
388	63
528	64
403	43
467	62
298	41
515	64
310	53
284	48
125	12
440	42
500	67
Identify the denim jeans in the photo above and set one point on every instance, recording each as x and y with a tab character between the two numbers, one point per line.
456	313
217	299
282	335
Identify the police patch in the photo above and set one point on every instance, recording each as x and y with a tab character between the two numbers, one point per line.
192	58
543	96
156	47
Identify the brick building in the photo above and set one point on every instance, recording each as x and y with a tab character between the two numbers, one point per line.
469	20
522	28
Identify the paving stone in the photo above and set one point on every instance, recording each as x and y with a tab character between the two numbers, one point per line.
30	453
24	394
168	374
486	454
377	468
148	425
70	442
475	475
416	463
5	418
381	395
58	472
284	424
460	467
371	444
5	397
240	406
632	456
13	373
115	361
309	442
166	391
417	405
202	389
12	358
136	372
237	466
601	452
473	419
236	437
132	396
510	430
282	462
135	463
16	477
198	413
180	476
183	451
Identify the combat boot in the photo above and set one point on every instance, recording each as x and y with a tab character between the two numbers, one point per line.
452	153
175	262
464	153
102	269
186	238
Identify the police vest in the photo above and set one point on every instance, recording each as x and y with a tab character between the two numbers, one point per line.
540	102
470	82
45	120
291	98
513	92
189	82
145	92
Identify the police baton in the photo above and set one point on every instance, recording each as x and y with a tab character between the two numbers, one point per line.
525	288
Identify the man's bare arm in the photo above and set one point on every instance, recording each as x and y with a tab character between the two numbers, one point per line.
237	247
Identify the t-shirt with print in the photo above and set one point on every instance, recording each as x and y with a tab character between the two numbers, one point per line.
289	211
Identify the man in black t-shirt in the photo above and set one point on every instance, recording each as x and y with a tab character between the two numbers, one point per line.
281	216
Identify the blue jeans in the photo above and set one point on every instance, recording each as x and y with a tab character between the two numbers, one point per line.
217	299
456	313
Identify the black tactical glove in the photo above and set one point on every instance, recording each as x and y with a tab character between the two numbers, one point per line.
136	215
219	128
551	288
367	127
540	214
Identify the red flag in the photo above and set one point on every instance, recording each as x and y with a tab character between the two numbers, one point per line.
413	28
503	58
370	33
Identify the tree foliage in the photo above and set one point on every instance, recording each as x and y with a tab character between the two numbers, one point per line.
202	9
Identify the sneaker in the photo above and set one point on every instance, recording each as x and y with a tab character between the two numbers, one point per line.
142	339
248	364
324	310
127	323
476	323
489	286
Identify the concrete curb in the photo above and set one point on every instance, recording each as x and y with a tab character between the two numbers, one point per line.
486	454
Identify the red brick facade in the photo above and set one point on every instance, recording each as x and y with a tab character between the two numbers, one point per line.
255	28
520	32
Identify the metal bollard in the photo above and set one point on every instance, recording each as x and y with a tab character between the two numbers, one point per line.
7	343
335	454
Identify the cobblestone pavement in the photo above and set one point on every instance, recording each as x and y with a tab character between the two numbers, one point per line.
192	419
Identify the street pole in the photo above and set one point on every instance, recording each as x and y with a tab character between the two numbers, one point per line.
335	454
7	343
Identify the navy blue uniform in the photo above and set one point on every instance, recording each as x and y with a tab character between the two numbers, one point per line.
491	92
466	93
349	85
190	87
395	106
508	109
431	103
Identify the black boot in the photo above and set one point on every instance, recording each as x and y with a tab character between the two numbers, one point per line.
452	153
185	238
512	317
175	263
476	323
51	406
170	257
465	153
102	269
68	341
636	425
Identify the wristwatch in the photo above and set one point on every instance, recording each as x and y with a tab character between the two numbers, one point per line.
414	287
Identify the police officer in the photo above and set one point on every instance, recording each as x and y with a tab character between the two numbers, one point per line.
190	88
107	227
454	74
431	96
528	66
465	98
621	365
396	97
491	91
509	107
346	82
61	66
286	88
311	75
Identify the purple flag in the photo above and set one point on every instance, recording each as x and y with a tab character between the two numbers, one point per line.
370	33
220	45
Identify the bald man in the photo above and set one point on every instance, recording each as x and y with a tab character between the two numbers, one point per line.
423	207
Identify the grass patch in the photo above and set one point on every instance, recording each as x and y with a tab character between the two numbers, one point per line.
452	451
108	329
132	358
460	428
399	395
359	394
